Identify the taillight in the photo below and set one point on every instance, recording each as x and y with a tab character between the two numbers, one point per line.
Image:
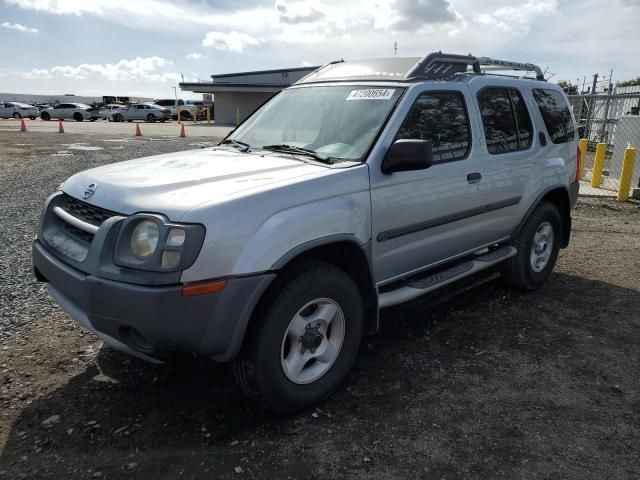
578	165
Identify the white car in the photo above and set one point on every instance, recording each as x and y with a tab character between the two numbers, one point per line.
170	104
18	110
106	112
149	112
75	111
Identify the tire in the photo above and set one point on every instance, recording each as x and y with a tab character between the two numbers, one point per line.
92	119
117	117
311	289
129	121
32	118
77	117
151	118
519	271
45	116
17	116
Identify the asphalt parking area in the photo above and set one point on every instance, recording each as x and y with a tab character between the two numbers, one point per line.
493	383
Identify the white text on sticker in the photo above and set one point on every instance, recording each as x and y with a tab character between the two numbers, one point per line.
371	94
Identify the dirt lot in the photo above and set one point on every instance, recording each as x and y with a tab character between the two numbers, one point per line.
492	384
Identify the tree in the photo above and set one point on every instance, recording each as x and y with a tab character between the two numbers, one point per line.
629	83
568	87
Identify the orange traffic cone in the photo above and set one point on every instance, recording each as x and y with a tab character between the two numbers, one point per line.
23	127
182	131
60	127
138	132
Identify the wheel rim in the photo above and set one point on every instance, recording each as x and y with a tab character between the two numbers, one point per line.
312	341
16	116
542	247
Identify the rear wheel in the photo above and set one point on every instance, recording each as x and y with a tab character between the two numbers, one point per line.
538	245
45	116
78	117
151	118
17	116
301	348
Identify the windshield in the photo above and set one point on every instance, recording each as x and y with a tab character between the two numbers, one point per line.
335	121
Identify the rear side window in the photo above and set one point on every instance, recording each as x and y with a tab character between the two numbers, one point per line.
556	115
506	121
442	118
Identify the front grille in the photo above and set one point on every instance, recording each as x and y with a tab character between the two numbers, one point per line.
85	212
81	235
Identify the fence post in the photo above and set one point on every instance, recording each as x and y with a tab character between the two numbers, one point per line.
627	172
598	165
584	145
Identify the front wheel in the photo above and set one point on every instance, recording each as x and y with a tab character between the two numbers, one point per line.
45	116
302	347
151	118
538	245
78	117
17	116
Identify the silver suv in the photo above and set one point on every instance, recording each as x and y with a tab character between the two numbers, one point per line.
365	185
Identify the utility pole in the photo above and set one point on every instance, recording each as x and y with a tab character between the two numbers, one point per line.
395	49
591	104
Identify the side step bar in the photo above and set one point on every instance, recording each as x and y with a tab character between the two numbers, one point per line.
434	281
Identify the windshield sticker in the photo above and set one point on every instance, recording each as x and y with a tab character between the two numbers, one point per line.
371	94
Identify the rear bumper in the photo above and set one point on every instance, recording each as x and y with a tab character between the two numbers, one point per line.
146	321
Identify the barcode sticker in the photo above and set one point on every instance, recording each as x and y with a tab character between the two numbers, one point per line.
371	94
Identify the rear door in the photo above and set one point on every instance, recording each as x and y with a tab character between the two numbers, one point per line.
425	217
510	152
4	113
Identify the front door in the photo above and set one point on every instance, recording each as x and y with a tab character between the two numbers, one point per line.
422	218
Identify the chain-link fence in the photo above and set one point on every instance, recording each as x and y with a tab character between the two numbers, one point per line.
612	119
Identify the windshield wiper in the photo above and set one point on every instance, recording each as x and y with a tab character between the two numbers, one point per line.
284	148
242	146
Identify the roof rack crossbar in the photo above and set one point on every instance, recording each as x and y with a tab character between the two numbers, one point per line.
440	65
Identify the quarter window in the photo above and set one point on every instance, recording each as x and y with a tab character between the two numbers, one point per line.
556	115
442	118
506	121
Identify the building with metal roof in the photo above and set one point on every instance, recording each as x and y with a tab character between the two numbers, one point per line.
237	95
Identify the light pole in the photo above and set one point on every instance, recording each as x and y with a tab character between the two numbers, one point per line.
175	93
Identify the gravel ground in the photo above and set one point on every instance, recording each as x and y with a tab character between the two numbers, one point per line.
494	383
31	167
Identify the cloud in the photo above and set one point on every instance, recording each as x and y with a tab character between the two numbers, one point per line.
232	41
517	19
195	56
137	69
415	14
20	28
298	12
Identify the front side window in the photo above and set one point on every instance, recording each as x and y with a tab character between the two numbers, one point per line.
442	118
338	121
506	121
556	115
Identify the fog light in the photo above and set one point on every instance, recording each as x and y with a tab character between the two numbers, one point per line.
176	237
170	259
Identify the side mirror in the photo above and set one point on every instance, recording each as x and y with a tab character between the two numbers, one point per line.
406	155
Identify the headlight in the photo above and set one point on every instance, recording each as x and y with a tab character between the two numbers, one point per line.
144	239
148	241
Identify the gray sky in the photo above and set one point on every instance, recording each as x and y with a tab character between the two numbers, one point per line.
105	47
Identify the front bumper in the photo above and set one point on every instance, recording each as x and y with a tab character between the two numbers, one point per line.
148	320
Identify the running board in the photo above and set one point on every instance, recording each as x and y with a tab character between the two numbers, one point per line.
434	281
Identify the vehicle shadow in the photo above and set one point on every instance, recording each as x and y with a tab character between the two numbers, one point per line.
465	389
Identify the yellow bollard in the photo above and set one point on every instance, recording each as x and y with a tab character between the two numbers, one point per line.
208	114
584	146
237	115
627	173
598	165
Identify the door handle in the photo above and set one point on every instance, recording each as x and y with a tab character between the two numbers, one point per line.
474	177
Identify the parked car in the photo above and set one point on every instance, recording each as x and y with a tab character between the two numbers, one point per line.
142	111
18	110
363	186
69	111
106	112
170	104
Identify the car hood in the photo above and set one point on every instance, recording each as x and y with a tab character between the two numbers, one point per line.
174	183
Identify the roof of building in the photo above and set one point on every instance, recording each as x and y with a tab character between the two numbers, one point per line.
265	72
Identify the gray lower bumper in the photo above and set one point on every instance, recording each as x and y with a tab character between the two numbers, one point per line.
146	321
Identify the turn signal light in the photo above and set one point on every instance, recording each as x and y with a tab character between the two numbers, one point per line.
203	288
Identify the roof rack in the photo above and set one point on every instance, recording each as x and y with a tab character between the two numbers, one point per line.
438	66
